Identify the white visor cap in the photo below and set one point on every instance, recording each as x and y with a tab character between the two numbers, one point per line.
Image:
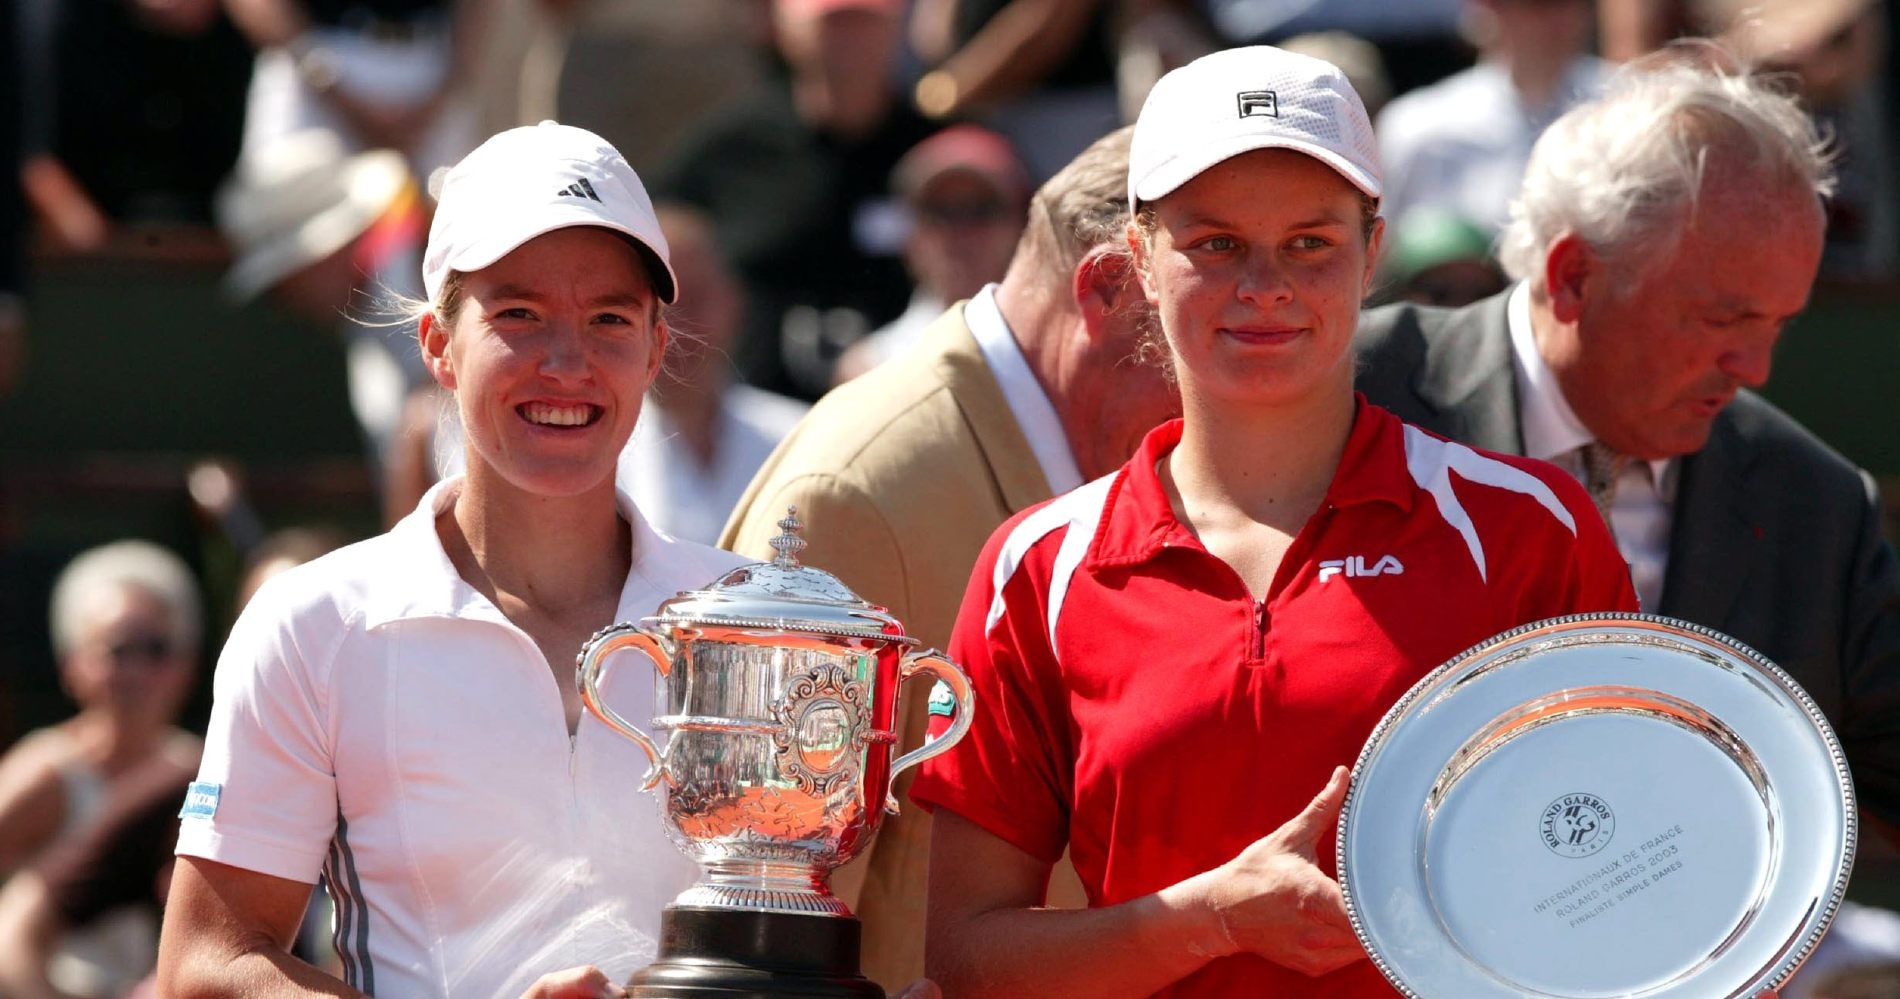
1238	100
532	180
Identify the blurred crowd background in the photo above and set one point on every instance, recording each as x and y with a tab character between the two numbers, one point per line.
210	206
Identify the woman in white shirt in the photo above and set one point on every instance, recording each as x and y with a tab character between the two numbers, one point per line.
400	717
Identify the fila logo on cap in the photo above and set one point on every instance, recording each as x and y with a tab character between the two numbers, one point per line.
1258	104
1355	565
579	189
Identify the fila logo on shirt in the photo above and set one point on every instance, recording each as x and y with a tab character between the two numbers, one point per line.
1258	104
1355	566
579	189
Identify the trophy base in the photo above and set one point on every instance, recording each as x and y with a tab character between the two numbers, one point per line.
738	954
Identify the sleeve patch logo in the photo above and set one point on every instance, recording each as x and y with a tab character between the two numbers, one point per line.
943	703
201	800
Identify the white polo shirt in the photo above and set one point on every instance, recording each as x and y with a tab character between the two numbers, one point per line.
379	722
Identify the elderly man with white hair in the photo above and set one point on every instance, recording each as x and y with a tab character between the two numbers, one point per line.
1663	237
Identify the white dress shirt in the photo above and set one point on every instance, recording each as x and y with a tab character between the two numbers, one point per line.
690	501
1028	403
1642	509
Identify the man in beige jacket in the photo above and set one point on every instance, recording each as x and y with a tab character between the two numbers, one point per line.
1025	391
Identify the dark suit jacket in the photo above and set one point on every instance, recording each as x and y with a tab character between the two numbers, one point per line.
1776	538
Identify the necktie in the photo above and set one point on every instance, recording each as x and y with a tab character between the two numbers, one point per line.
1600	468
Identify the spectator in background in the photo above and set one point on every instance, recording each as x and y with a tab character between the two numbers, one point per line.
1436	257
125	623
1042	72
117	867
701	435
1627	29
281	550
120	866
1355	57
965	193
796	183
1418	40
13	222
380	74
1837	50
325	232
132	113
1840	52
1461	144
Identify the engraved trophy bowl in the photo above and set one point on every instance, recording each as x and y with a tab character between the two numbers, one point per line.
1593	806
778	696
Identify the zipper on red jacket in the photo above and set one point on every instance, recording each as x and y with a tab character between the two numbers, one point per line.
1259	629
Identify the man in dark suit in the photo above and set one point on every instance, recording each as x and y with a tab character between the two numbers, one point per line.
1663	237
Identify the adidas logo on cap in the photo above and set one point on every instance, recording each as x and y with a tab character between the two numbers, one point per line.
579	189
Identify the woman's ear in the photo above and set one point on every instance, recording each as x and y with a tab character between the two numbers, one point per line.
434	341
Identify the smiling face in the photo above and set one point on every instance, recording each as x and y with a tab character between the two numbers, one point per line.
548	351
1256	268
1650	352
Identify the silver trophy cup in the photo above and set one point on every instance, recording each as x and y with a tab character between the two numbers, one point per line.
779	692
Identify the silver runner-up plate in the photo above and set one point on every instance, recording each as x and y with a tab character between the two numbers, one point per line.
1598	805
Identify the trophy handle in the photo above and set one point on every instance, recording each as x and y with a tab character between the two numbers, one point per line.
587	671
933	663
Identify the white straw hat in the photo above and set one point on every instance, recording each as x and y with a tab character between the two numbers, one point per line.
298	200
532	180
1238	100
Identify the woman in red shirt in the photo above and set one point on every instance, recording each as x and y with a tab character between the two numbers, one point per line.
1169	661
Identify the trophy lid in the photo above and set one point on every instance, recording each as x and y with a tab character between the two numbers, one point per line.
784	594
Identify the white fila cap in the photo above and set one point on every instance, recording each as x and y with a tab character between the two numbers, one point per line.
532	180
1238	100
